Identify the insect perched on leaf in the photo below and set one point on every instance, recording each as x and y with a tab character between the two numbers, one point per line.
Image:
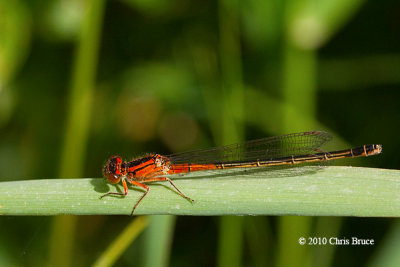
287	149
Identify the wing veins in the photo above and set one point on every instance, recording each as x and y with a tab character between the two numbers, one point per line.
260	149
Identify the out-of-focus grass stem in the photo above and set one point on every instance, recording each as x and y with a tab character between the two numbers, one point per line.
73	154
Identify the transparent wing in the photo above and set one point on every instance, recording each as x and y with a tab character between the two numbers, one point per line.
260	149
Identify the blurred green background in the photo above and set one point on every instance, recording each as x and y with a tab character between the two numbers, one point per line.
83	80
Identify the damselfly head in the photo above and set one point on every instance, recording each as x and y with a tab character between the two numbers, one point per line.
112	170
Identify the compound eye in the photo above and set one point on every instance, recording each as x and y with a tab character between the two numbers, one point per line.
112	170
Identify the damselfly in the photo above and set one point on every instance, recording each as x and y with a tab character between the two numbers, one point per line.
287	149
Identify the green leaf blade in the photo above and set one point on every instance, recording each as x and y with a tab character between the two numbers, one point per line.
309	191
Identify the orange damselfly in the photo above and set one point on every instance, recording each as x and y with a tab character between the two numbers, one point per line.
287	149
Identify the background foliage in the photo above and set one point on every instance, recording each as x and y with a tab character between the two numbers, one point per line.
83	80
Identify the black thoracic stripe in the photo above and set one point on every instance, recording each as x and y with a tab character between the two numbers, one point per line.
141	168
138	162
